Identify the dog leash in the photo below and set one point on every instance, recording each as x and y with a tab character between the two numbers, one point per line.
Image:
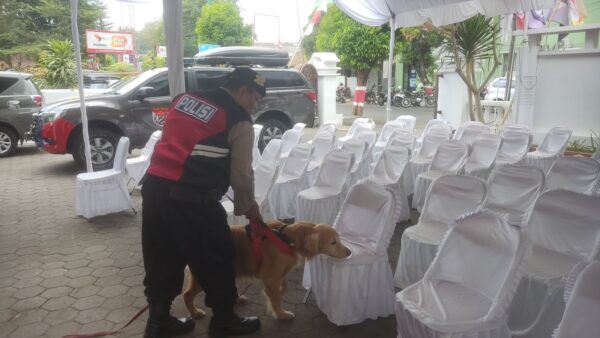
259	231
107	333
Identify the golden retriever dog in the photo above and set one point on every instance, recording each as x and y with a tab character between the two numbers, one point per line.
309	240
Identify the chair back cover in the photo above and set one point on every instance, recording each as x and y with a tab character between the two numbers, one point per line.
367	217
257	129
482	252
255	151
390	165
369	136
272	151
513	189
484	151
596	155
289	140
357	148
152	141
579	174
322	144
461	128
566	222
582	296
328	127
555	141
388	130
401	138
296	163
450	156
264	177
471	132
516	127
334	170
515	145
409	121
299	126
451	196
432	124
121	154
360	123
431	142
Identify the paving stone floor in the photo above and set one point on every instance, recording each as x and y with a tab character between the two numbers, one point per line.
60	274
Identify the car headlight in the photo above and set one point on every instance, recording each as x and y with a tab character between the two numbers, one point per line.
51	115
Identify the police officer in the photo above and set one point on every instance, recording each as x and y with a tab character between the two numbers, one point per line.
206	146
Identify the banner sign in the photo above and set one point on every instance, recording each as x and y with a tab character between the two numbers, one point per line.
161	51
109	42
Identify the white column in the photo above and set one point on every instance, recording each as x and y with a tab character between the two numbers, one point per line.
326	65
173	17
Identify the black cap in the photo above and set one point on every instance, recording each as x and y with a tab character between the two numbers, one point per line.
249	77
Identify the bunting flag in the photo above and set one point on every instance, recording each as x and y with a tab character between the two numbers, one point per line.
315	18
564	12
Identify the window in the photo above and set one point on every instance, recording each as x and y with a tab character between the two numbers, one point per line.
160	85
282	79
11	86
207	80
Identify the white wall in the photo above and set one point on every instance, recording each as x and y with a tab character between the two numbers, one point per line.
453	98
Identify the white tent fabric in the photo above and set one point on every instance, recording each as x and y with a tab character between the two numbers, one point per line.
448	198
515	145
289	140
552	146
104	192
582	296
483	155
564	229
358	126
579	174
255	151
449	158
272	151
388	172
321	202
513	189
136	166
470	284
322	144
290	181
360	286
420	161
409	121
360	167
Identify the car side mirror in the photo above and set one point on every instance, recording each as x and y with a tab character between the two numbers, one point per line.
145	92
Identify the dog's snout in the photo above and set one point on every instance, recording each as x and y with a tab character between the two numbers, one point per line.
348	252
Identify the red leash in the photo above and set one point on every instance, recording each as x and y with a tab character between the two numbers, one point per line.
107	333
259	231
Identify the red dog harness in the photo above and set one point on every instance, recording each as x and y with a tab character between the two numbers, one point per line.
259	231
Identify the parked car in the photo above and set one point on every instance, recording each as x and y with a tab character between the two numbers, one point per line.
497	89
99	80
138	106
19	100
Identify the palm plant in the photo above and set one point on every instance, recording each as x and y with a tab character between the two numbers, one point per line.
58	63
473	42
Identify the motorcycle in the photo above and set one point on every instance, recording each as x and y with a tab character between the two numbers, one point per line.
342	93
417	99
398	97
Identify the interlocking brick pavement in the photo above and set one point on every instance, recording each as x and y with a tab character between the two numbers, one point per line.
61	274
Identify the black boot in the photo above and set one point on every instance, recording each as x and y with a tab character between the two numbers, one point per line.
161	324
235	326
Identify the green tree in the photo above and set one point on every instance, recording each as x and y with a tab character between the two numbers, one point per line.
415	48
220	23
470	43
59	64
191	12
151	36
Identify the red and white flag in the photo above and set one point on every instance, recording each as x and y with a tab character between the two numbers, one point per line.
316	17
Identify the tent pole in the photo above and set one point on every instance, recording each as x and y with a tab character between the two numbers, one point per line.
388	108
172	17
84	120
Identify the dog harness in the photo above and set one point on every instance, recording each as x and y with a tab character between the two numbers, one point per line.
258	231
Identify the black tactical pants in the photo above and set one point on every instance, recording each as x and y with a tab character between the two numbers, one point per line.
176	233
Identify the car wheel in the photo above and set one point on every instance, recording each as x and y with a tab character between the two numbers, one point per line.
8	142
103	146
272	129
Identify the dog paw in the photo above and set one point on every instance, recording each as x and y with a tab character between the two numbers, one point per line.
285	315
197	313
242	299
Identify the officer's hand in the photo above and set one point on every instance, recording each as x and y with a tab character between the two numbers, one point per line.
253	212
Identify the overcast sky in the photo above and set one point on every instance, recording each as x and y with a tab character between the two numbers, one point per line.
275	19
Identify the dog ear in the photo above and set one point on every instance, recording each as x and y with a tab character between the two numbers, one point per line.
311	243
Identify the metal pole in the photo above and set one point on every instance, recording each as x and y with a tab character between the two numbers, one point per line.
388	108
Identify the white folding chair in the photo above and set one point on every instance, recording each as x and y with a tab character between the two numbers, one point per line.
449	158
272	151
458	133
360	168
441	126
579	174
448	198
104	192
321	202
516	127
299	127
420	160
483	155
360	286
136	166
322	144
358	126
409	121
290	181
582	298
289	140
388	172
468	287
515	145
471	132
255	151
388	129
564	229
401	137
552	146
513	189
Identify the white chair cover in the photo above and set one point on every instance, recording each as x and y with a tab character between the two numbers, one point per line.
449	197
255	151
437	124
401	137
579	174
420	161
409	121
471	132
461	128
483	155
582	296
388	130
564	229
449	158
513	189
358	126
290	181
104	192
299	127
321	203
388	172
470	284
516	127
322	144
136	166
368	136
596	155
553	145
515	145
360	286
272	151
289	140
360	168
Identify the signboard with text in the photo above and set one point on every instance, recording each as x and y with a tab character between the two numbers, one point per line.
109	42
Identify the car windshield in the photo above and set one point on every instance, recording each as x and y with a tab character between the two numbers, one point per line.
127	86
